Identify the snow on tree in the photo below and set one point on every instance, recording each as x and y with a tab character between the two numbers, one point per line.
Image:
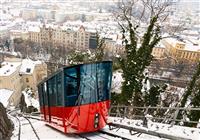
85	56
138	49
191	97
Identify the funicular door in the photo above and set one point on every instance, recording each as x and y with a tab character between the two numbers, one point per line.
52	111
71	90
42	100
47	105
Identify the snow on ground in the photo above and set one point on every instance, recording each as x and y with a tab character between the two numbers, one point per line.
44	132
116	82
29	99
4	96
47	133
126	133
175	130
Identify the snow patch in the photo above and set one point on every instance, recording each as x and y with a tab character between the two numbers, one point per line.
29	99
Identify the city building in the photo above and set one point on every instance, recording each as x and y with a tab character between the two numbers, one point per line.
17	74
29	14
11	80
184	50
19	34
4	32
70	38
158	51
32	72
114	47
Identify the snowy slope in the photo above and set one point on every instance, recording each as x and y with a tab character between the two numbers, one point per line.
174	130
47	133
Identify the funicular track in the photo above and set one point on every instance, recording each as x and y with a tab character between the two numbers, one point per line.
88	136
134	131
170	118
107	134
18	116
19	129
13	114
35	132
101	134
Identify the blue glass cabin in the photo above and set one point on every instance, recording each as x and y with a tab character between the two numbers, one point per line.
77	85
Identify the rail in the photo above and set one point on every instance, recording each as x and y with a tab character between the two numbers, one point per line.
158	114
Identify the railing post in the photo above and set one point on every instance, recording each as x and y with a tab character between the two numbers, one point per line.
175	116
145	119
125	111
118	112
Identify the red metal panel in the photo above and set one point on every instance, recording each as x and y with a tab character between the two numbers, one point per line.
78	119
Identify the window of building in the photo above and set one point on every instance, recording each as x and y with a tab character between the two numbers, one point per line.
27	80
28	70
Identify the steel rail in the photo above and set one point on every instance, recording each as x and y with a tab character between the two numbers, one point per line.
113	135
149	132
32	127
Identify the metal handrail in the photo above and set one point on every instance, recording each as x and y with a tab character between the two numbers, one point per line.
174	108
121	111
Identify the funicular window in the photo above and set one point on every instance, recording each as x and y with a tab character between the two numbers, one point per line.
40	92
88	85
71	81
45	93
108	76
101	82
95	82
104	72
52	91
59	89
71	86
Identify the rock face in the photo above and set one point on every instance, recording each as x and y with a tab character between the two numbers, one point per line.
5	124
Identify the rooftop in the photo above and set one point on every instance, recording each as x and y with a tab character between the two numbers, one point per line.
189	44
8	68
28	66
4	96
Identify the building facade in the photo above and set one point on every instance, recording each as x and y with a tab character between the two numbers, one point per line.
56	36
183	51
17	74
11	80
32	72
158	52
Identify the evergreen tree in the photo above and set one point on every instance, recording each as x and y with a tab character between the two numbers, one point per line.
152	97
79	57
191	86
7	44
192	93
99	51
194	115
138	49
136	60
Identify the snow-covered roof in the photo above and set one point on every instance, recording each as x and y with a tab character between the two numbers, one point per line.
160	45
188	44
8	68
34	29
191	32
4	96
3	28
28	66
